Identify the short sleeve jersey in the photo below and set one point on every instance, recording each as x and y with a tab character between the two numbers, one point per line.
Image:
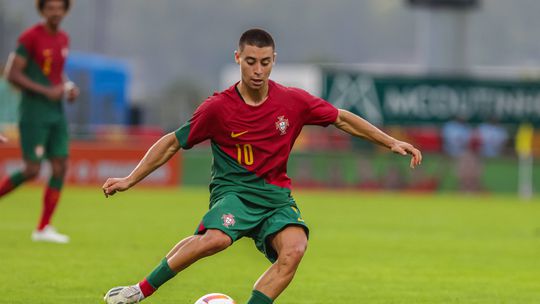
251	144
45	54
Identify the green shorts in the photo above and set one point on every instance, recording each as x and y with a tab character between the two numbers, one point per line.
238	218
41	140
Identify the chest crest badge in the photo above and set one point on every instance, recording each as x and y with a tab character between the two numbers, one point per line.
282	124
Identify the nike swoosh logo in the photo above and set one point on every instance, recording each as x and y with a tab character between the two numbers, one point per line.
235	135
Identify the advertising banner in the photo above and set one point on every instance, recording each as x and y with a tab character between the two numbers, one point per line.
402	99
91	163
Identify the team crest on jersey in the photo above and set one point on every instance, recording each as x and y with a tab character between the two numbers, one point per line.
282	124
228	220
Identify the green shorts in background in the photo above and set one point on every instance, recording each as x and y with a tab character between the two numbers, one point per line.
238	218
41	140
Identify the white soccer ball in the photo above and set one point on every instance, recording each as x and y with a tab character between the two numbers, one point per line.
215	298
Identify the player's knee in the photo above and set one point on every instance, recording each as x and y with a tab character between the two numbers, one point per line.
216	241
297	252
292	255
59	169
59	172
32	172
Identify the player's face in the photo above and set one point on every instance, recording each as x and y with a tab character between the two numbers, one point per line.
53	12
255	65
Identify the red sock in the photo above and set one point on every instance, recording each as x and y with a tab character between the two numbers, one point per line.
6	186
146	288
50	200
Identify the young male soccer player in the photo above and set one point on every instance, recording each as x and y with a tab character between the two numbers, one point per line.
252	127
37	68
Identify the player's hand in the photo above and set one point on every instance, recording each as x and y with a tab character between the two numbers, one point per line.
71	91
113	185
403	148
55	93
3	138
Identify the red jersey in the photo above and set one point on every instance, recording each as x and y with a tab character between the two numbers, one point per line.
45	54
251	144
48	51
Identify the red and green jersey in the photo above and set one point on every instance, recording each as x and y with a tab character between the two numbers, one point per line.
251	144
45	54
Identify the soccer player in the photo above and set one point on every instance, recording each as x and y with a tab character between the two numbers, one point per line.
37	68
252	127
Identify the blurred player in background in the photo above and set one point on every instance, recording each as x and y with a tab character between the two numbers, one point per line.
252	127
37	68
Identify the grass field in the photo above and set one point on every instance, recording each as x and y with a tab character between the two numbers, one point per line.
364	248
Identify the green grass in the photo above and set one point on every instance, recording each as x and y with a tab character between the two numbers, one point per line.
364	248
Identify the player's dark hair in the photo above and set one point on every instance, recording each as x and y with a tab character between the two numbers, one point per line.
256	37
40	4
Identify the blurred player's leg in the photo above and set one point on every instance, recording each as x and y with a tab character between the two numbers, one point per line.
9	183
32	138
51	197
52	192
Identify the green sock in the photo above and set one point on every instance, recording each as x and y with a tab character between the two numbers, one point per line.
161	274
17	178
258	297
56	183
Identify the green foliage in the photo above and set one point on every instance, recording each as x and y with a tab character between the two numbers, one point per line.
364	248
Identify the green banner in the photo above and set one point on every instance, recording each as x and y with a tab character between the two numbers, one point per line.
397	99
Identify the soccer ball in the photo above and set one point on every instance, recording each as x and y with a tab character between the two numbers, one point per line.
215	298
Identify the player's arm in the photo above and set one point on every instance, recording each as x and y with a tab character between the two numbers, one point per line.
15	75
156	156
357	126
